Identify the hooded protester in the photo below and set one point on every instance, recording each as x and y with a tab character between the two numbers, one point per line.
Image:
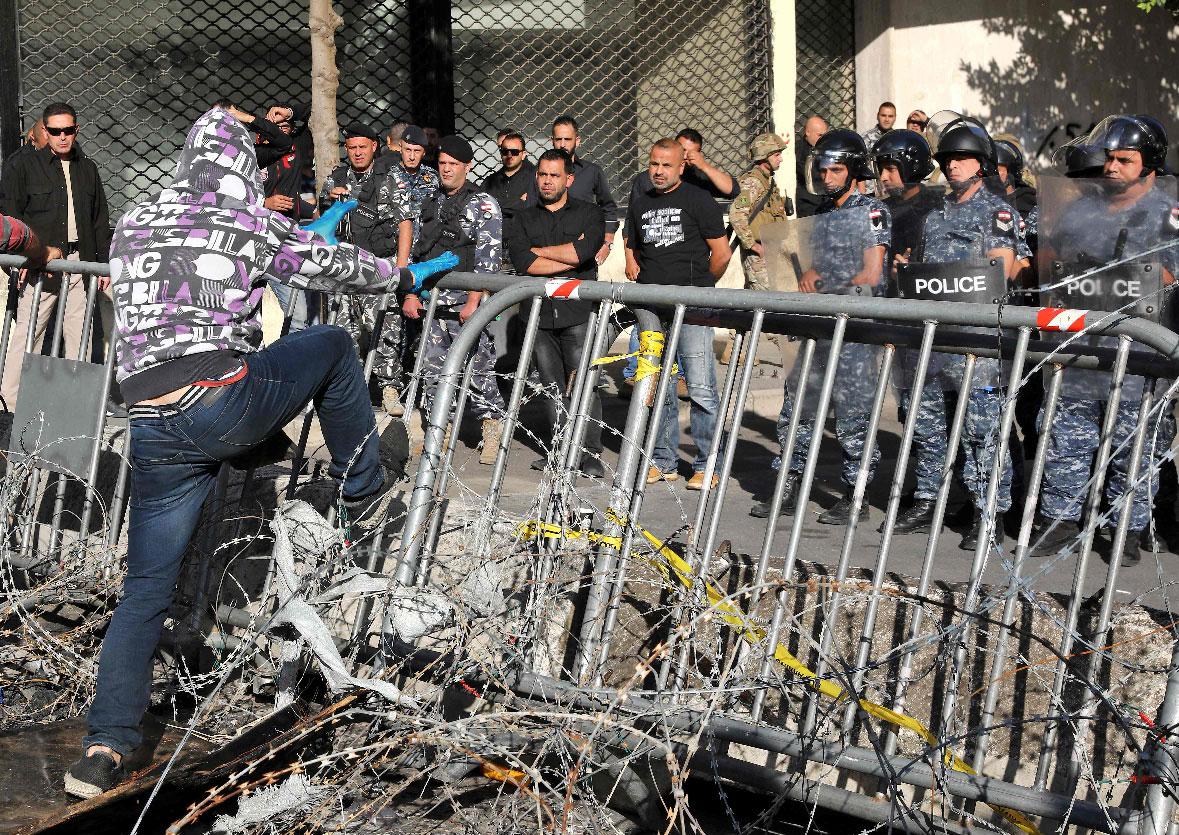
187	271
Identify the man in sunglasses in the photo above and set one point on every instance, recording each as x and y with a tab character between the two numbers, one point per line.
514	184
57	192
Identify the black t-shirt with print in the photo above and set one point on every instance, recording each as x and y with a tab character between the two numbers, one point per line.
668	233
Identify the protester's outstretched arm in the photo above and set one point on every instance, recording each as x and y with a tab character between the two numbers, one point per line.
306	260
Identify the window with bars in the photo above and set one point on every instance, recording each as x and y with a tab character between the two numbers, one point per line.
826	43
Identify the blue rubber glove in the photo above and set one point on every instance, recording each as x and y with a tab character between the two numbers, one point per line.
425	269
325	227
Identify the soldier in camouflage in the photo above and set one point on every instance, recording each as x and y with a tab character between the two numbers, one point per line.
849	244
760	202
973	222
463	220
381	225
1123	214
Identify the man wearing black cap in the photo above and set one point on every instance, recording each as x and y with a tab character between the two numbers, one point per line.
463	220
414	182
381	225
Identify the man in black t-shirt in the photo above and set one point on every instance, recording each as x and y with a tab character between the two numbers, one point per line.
677	236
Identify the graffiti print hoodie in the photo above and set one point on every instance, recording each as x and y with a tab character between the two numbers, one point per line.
188	268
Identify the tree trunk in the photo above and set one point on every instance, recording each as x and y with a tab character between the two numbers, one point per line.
325	80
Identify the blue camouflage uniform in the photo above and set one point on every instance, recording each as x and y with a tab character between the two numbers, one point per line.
482	221
358	313
1086	226
962	232
838	242
413	188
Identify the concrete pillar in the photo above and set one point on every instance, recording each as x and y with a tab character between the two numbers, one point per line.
784	55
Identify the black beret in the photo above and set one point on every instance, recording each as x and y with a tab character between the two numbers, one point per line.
356	129
457	147
415	136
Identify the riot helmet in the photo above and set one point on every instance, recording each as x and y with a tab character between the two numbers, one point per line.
1009	155
837	147
908	151
1143	134
952	134
1081	161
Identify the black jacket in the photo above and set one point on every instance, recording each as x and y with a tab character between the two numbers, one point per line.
34	190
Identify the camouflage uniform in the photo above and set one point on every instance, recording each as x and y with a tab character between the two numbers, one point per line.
358	313
962	232
755	184
411	189
482	221
838	242
1074	435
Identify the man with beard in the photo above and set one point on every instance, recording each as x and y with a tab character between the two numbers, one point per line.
560	239
1129	215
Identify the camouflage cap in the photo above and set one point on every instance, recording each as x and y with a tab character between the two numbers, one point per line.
765	144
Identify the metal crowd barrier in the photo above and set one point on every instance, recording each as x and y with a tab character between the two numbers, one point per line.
837	319
815	736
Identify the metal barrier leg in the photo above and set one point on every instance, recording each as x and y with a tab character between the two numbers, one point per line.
625	477
585	386
1048	743
904	676
1160	800
1031	501
415	377
634	509
804	364
861	487
990	518
894	500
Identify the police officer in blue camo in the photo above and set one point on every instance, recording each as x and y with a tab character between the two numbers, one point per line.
849	246
1122	214
381	225
972	223
414	182
461	219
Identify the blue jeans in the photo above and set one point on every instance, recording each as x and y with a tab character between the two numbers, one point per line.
175	456
696	362
299	316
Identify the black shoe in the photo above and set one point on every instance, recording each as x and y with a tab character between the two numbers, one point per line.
591	466
539	464
761	510
115	410
970	541
394	449
92	775
368	512
1051	536
1131	552
840	514
916	519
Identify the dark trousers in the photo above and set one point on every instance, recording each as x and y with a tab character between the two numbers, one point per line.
556	355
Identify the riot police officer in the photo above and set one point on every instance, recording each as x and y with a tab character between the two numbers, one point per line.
1123	214
381	225
972	222
1016	189
850	247
902	162
758	203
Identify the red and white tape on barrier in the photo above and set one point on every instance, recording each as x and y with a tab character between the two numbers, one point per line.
1060	319
562	288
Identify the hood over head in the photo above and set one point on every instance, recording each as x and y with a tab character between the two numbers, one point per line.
218	164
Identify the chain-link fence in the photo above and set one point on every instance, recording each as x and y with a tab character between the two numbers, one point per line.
826	61
139	72
629	72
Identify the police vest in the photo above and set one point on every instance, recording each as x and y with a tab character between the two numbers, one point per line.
442	229
369	230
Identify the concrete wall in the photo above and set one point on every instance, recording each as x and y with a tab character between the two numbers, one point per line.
1041	69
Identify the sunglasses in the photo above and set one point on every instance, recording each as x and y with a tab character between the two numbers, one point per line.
510	152
70	131
918	123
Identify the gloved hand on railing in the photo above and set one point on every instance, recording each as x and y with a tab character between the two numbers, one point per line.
326	225
414	276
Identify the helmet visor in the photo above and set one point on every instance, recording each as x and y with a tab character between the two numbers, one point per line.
828	172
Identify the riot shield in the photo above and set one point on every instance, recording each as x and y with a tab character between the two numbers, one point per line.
830	252
1109	247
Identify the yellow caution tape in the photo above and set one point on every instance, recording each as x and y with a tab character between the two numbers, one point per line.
674	566
650	345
